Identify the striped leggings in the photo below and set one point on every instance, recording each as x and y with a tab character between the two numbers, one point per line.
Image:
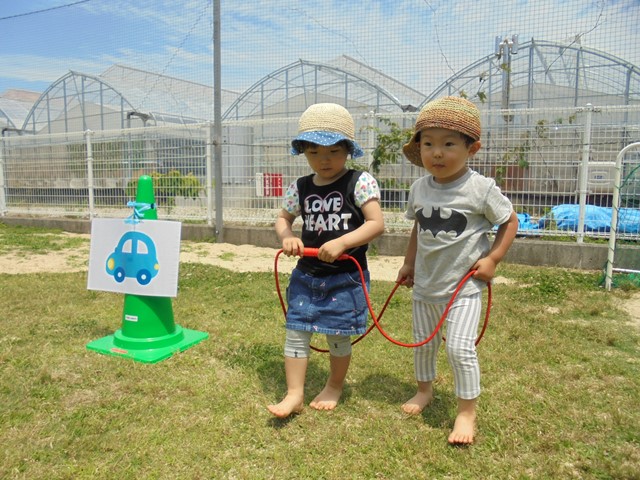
461	332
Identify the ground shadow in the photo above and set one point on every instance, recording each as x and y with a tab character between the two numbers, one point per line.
267	361
389	389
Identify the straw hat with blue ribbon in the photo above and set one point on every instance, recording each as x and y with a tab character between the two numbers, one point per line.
326	124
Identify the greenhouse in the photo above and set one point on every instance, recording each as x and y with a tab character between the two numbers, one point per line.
14	108
288	91
534	74
121	97
544	74
125	97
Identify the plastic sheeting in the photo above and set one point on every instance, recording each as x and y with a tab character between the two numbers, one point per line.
596	219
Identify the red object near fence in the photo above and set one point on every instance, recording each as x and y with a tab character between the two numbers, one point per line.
269	184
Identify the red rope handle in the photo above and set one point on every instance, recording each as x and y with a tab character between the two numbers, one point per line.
310	252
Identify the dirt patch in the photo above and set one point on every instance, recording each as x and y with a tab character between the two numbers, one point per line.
238	258
632	306
248	258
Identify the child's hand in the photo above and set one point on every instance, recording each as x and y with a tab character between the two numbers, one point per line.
405	275
486	269
292	246
331	250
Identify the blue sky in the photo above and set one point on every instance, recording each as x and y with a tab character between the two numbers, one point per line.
419	42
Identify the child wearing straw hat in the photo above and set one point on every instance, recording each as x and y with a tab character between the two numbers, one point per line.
453	209
341	213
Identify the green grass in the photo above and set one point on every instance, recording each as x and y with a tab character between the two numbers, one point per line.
32	240
561	382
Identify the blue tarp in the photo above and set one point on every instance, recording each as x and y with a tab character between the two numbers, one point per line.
597	219
525	223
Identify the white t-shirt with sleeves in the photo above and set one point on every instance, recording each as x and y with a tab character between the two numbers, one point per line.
453	222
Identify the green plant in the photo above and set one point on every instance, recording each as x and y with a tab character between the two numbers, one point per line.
480	94
393	184
389	144
530	142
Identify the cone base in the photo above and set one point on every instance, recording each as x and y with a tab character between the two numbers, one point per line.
112	345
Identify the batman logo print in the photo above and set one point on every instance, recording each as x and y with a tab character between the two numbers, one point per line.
456	222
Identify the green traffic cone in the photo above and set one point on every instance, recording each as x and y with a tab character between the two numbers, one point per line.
149	333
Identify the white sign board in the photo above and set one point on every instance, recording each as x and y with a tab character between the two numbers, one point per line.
139	258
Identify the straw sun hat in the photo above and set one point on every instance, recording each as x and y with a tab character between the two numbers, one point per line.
326	124
452	113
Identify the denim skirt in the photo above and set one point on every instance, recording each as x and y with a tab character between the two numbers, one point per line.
333	304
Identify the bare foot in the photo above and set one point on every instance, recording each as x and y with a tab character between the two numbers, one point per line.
417	403
289	405
463	429
327	399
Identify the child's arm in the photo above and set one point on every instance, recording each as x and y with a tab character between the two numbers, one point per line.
407	271
486	266
372	227
291	245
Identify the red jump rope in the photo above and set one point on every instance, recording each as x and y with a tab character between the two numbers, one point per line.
313	252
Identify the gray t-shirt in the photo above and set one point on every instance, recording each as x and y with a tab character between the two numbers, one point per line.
453	221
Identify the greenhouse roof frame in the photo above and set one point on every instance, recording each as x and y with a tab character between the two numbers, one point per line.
116	99
522	78
289	90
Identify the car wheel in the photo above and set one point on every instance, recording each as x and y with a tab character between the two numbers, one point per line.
119	274
143	277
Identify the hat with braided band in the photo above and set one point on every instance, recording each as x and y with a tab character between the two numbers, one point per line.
453	113
326	124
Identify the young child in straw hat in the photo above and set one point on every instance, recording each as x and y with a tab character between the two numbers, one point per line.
341	213
453	209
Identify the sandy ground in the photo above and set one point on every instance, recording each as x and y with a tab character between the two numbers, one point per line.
239	258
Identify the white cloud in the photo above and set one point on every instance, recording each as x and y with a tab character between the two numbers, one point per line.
421	43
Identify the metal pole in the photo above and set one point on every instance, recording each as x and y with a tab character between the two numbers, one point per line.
3	186
87	135
217	120
584	171
3	197
371	137
208	174
615	206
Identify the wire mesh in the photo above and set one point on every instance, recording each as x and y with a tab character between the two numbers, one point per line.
535	155
141	78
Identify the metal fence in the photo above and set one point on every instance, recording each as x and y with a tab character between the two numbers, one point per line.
545	160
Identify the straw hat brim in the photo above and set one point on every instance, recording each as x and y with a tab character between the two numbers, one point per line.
325	139
411	150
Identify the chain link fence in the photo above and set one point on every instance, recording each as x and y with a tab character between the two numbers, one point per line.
557	165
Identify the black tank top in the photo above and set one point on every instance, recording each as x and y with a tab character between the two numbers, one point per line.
328	212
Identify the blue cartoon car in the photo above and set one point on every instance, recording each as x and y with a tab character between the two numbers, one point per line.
134	257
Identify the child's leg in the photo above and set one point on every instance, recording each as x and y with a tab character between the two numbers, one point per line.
420	400
339	360
295	366
296	371
462	328
464	428
425	319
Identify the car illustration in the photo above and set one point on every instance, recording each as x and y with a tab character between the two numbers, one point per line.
134	257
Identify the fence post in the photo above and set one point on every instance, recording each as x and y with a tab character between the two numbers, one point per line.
584	170
3	186
217	117
208	162
615	208
92	206
371	137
